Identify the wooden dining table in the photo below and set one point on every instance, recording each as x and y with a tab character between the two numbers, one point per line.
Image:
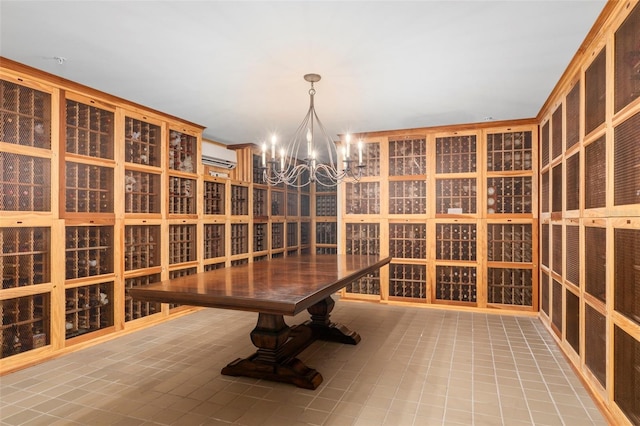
274	288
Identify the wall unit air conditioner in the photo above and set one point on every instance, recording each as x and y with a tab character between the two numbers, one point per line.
218	156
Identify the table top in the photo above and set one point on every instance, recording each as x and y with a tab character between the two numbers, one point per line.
284	286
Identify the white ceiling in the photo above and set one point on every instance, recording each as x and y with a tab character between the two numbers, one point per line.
236	67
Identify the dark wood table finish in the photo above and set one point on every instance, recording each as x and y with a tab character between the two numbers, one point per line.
274	288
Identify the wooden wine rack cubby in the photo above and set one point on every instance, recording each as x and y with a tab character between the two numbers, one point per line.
260	237
408	197
182	196
25	183
25	324
214	240
214	198
88	308
89	130
25	258
407	156
456	154
509	151
89	188
142	192
182	243
239	238
134	309
182	152
277	203
143	142
363	198
408	241
327	233
292	234
456	196
89	251
292	204
408	281
456	283
260	210
239	200
25	115
277	235
141	246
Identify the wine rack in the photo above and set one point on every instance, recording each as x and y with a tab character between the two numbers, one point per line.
595	342
626	352
544	292
544	192
182	152
214	266
25	256
277	235
142	142
326	250
326	205
408	241
25	183
627	62
510	286
292	234
408	281
214	197
556	133
182	195
89	251
544	144
573	116
134	309
25	324
89	130
595	83
572	304
595	166
239	200
177	273
456	241
407	156
627	272
369	284
573	182
305	233
305	205
595	262
326	233
141	246
141	192
214	240
260	210
88	308
363	238
292	204
257	170
456	154
556	248
556	306
626	162
277	203
89	188
363	198
371	159
239	262
556	188
509	243
456	196
509	195
511	151
239	238
408	197
260	237
456	283
182	243
25	116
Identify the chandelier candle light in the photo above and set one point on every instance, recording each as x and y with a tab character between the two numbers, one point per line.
288	169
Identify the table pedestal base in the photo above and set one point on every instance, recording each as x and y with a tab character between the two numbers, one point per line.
278	345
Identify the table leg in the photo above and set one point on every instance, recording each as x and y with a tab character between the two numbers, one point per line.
324	329
277	344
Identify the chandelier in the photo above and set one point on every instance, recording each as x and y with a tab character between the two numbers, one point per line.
321	162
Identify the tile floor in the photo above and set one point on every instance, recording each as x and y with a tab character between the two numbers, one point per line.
414	366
